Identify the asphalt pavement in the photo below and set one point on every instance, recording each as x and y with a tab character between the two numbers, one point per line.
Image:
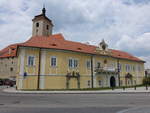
74	103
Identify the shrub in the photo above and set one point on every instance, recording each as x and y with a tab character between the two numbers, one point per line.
146	80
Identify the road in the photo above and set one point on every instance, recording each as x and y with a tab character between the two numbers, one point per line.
74	103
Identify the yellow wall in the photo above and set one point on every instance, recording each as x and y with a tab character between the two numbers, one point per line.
55	76
62	63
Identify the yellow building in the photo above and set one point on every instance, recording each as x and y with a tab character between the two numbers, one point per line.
48	61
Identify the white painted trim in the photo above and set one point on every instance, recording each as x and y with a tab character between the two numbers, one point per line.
51	62
34	61
43	63
42	82
21	73
87	60
20	83
22	57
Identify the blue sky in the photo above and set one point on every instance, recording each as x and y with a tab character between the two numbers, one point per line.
124	24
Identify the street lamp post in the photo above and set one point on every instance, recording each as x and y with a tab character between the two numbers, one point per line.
118	69
146	81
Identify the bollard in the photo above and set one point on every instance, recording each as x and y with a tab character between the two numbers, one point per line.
123	88
146	87
135	87
112	88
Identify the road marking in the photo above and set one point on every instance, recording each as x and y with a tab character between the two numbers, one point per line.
129	110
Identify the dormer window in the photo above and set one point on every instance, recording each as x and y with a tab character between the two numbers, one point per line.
37	24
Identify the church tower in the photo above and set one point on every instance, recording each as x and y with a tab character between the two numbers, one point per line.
42	25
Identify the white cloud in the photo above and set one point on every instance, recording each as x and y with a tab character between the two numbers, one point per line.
134	44
123	24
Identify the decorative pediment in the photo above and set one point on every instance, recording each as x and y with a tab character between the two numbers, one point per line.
103	45
103	48
128	75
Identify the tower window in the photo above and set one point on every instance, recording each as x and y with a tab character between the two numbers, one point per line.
11	69
47	27
37	24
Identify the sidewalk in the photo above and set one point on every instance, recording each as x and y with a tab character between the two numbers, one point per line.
115	91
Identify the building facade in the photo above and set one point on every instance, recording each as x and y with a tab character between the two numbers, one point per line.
48	61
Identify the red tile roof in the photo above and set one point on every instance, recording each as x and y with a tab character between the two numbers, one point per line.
57	41
9	51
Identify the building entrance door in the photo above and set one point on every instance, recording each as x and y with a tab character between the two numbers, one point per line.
112	82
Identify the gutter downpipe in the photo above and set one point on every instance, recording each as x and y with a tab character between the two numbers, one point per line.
39	70
92	78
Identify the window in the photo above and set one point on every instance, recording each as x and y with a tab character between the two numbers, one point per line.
112	65
133	68
73	63
47	27
88	83
70	63
53	61
99	82
37	24
120	67
11	69
30	60
88	64
128	67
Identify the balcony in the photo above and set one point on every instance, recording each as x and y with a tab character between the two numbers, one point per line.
106	70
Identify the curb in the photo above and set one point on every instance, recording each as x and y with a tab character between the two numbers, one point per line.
75	92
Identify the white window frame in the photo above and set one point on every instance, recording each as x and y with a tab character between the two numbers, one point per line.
88	64
33	60
74	63
100	83
88	83
128	68
52	61
70	65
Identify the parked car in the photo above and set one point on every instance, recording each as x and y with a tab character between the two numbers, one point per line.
1	82
9	82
